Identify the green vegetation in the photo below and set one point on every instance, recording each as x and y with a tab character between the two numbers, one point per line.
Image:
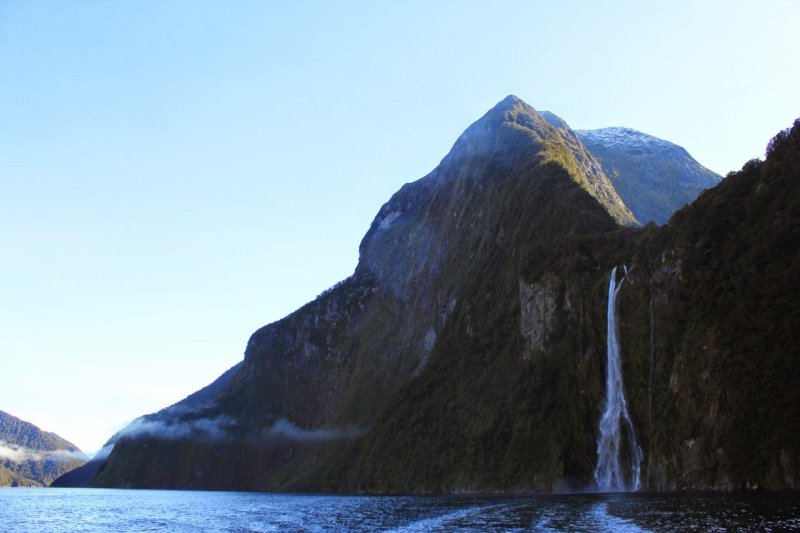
727	355
31	457
8	478
468	349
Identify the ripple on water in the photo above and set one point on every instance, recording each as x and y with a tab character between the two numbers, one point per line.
113	510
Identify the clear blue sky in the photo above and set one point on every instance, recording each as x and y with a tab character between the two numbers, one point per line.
174	175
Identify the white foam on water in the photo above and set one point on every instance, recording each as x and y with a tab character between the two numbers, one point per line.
605	521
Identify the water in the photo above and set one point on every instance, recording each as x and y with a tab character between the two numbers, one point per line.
608	473
131	510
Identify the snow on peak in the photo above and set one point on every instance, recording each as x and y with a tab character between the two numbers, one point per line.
624	136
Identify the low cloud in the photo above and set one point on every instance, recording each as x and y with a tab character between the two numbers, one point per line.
286	429
218	428
21	454
201	428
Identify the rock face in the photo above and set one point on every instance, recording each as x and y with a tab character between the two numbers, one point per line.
654	177
538	305
30	457
467	351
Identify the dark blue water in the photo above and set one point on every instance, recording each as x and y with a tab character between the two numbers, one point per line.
129	510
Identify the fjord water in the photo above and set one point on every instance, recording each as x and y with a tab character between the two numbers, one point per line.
608	474
149	510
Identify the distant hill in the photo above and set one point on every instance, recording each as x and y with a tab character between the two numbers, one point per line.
32	457
654	177
12	479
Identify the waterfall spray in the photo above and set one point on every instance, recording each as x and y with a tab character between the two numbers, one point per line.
608	474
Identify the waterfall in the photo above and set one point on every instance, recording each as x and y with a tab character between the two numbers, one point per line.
609	474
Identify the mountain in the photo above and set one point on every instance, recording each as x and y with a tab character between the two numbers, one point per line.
467	351
316	380
654	177
32	457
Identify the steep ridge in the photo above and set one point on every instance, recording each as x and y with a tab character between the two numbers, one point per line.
313	382
32	457
654	177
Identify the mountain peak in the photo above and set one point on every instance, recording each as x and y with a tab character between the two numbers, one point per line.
511	109
513	132
654	177
632	138
510	101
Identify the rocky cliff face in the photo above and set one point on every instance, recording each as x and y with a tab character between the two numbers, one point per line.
467	350
30	457
654	177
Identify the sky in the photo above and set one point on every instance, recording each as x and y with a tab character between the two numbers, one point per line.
175	175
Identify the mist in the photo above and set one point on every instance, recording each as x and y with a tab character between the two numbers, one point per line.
286	429
218	428
201	428
21	454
